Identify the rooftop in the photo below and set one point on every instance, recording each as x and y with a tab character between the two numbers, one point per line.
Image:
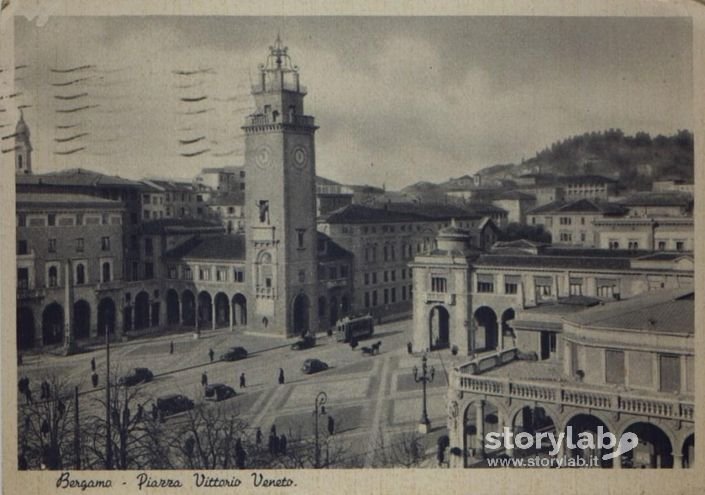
663	311
179	225
666	198
220	247
333	251
580	206
78	177
63	200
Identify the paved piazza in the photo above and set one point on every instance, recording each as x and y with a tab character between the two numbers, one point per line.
372	399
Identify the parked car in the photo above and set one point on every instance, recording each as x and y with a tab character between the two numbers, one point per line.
234	353
219	391
305	343
173	404
313	366
135	376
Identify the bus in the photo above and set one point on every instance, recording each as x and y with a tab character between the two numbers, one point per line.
359	327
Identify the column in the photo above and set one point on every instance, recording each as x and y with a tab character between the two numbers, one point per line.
480	428
231	310
68	308
213	314
119	318
93	329
677	461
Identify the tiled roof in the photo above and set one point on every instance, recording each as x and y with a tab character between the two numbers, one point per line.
585	179
483	209
356	214
334	250
667	311
580	206
62	200
78	177
174	225
220	247
669	198
436	211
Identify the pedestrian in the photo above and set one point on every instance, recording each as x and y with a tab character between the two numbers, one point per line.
242	380
94	379
271	444
204	379
275	444
409	348
281	376
331	425
155	412
140	411
61	408
45	428
282	444
93	364
273	430
28	395
258	436
240	455
171	347
211	354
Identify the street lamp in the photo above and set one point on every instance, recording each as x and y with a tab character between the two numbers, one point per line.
321	399
424	378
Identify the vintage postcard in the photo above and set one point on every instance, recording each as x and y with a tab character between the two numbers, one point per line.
318	248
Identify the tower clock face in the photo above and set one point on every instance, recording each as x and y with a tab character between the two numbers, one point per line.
263	157
299	157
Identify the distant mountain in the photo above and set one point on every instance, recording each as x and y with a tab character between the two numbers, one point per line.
635	160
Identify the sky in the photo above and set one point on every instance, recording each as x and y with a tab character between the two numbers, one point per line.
398	100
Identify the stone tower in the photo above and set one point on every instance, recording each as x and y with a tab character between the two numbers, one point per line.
281	203
23	148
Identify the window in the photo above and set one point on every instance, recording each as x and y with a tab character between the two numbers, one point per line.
679	245
565	220
149	270
439	284
662	245
367	299
22	247
53	276
613	244
135	270
394	275
221	275
343	271
386	276
374	298
633	245
52	219
485	282
300	237
106	271
148	246
374	277
367	279
80	274
145	214
403	273
188	274
394	294
566	237
332	272
172	272
575	286
403	293
605	288
511	284
543	287
204	274
105	243
23	278
79	245
386	296
614	367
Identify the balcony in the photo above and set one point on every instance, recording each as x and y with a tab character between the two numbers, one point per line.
260	120
27	293
567	395
265	292
440	297
335	283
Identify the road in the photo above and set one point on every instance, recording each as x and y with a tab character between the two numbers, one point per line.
373	399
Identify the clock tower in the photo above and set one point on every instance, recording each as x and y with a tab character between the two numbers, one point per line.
280	203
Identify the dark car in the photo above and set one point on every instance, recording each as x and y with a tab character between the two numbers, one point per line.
234	353
305	343
173	404
135	376
313	366
219	391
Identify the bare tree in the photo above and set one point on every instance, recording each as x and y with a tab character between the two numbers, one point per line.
46	429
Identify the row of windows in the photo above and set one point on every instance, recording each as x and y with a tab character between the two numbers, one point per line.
80	275
389	296
222	274
389	251
544	288
387	276
65	220
79	245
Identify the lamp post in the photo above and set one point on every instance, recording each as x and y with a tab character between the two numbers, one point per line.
321	399
108	432
424	378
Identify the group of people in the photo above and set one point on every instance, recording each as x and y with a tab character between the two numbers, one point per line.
277	444
243	378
